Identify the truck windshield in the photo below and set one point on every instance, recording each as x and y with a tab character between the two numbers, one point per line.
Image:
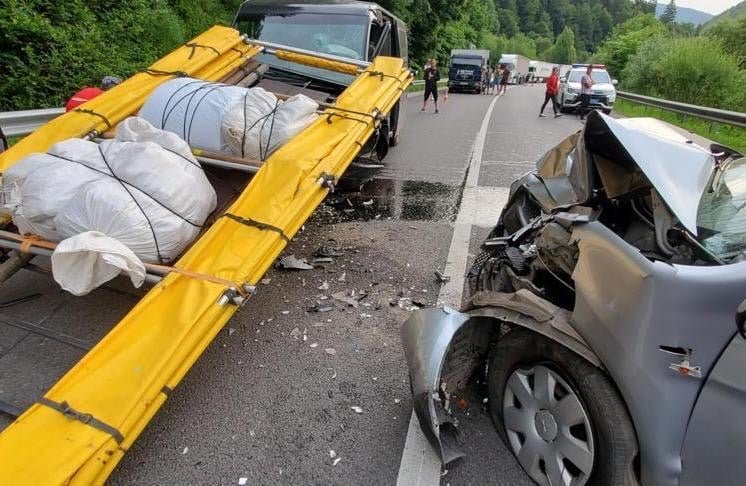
466	61
337	34
600	77
721	219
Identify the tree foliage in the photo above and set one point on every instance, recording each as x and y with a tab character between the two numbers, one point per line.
52	48
669	14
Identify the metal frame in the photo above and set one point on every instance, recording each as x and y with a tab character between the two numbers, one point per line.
713	114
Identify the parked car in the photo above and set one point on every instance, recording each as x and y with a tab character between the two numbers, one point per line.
468	70
345	28
603	96
601	315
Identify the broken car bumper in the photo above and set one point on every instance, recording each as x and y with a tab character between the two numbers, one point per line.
427	336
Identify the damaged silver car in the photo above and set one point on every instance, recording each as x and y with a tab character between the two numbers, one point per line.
601	315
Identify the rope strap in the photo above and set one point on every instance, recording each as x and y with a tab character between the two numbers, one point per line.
158	72
91	112
201	276
194	47
257	224
65	409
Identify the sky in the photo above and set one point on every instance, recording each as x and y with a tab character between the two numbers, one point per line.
710	6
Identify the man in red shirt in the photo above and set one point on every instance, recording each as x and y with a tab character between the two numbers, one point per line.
87	94
551	93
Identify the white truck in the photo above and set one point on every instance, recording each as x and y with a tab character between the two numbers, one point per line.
539	71
518	66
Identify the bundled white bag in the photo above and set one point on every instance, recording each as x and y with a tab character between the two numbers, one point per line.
144	191
258	124
192	109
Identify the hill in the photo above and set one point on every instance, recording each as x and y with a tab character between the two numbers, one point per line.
735	12
685	15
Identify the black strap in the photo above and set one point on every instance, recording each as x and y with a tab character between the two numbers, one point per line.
166	390
257	224
194	47
91	112
158	72
65	409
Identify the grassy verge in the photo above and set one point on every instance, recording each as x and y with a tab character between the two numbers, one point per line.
730	136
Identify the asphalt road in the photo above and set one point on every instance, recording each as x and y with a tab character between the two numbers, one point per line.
283	386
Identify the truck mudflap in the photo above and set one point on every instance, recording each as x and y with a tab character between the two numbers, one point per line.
427	336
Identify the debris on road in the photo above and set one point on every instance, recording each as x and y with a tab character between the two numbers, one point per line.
357	409
343	277
350	299
265	281
314	345
442	278
328	251
324	286
319	306
186	449
291	262
330	351
242	481
285	312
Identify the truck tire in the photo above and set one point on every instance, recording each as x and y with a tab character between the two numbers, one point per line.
558	413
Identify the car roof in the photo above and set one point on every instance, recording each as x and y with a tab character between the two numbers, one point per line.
317	6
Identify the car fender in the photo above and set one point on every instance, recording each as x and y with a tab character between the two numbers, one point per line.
443	347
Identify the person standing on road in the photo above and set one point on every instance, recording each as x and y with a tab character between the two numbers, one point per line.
432	76
504	79
586	88
551	93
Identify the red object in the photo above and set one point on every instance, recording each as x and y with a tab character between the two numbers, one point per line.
552	84
85	94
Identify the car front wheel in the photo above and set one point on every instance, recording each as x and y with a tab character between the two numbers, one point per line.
560	416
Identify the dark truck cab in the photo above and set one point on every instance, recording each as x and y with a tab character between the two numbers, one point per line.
351	29
468	70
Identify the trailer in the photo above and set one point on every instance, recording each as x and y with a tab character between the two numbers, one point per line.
82	427
518	66
539	71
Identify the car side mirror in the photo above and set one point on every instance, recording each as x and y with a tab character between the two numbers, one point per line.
741	319
614	82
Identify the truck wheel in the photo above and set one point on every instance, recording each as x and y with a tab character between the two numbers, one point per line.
560	416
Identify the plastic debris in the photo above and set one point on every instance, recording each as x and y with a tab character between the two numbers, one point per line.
242	481
442	278
343	277
186	449
330	351
321	307
357	409
336	461
295	333
285	312
324	286
314	345
397	401
291	262
346	298
265	281
332	453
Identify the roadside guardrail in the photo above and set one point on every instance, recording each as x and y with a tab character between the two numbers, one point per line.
18	123
712	114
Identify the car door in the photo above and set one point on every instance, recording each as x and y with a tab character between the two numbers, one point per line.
715	439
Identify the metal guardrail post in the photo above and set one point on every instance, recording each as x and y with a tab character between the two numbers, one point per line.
713	114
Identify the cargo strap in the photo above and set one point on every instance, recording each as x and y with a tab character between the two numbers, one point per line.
257	224
158	72
91	112
65	409
194	47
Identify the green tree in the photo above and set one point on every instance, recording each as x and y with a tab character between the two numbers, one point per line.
669	15
732	34
625	41
563	51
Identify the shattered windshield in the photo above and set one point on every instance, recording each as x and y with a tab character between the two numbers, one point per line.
722	212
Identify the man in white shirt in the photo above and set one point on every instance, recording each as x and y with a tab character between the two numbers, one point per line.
586	85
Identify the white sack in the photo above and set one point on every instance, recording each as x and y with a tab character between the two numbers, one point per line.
192	109
258	124
88	260
155	210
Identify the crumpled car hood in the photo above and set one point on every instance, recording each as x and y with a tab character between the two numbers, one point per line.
678	169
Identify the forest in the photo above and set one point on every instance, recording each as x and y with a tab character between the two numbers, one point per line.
52	48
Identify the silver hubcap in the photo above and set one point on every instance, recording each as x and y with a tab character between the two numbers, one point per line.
548	428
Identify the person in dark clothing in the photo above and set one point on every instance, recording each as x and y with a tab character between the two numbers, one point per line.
432	76
505	78
551	93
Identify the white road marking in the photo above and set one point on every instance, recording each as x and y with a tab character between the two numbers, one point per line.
420	465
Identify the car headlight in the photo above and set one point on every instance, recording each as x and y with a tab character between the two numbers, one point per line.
611	97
